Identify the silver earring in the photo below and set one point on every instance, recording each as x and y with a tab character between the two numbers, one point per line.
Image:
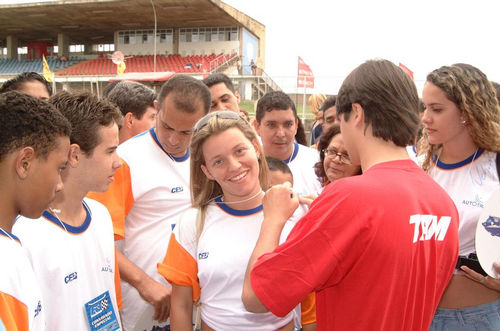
463	122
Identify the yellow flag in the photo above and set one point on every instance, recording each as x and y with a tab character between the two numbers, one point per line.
121	67
47	74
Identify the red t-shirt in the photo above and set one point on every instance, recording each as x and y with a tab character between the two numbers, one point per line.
371	249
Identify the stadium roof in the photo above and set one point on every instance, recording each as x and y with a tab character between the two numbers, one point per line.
94	21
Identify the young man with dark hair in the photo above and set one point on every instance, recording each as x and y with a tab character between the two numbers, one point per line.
71	247
136	102
378	249
276	122
30	83
329	112
224	96
34	145
151	190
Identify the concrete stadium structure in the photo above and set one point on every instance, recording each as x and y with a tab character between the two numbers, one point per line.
196	37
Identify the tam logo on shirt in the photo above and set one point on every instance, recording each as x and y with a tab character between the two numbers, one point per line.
428	227
203	256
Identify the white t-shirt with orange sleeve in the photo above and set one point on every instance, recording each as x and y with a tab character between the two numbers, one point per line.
20	296
214	266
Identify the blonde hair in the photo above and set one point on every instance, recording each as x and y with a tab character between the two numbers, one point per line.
204	190
315	102
475	96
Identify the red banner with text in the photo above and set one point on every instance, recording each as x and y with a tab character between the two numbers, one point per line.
305	76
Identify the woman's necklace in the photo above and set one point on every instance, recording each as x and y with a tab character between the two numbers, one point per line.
240	201
473	158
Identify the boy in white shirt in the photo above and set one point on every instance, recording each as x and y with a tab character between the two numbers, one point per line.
30	173
71	246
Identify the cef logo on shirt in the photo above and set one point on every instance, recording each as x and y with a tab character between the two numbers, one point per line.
72	276
177	189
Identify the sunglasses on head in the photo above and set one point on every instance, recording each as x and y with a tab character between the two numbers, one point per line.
224	114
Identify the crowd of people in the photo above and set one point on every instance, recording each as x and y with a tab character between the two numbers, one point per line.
177	211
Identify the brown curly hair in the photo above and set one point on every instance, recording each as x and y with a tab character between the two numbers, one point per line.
472	92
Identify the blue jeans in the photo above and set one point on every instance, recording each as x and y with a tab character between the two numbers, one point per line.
483	317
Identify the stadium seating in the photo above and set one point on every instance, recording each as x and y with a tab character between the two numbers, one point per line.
103	65
145	63
15	66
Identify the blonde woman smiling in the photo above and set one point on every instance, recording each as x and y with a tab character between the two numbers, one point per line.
211	244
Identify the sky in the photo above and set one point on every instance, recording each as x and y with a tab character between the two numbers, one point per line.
334	37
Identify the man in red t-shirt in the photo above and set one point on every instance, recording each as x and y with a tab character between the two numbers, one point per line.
378	249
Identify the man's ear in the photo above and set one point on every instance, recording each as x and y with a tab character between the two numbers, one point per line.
237	95
358	114
156	105
24	161
206	172
74	156
128	120
256	125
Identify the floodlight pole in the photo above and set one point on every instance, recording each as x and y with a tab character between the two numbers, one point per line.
154	38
